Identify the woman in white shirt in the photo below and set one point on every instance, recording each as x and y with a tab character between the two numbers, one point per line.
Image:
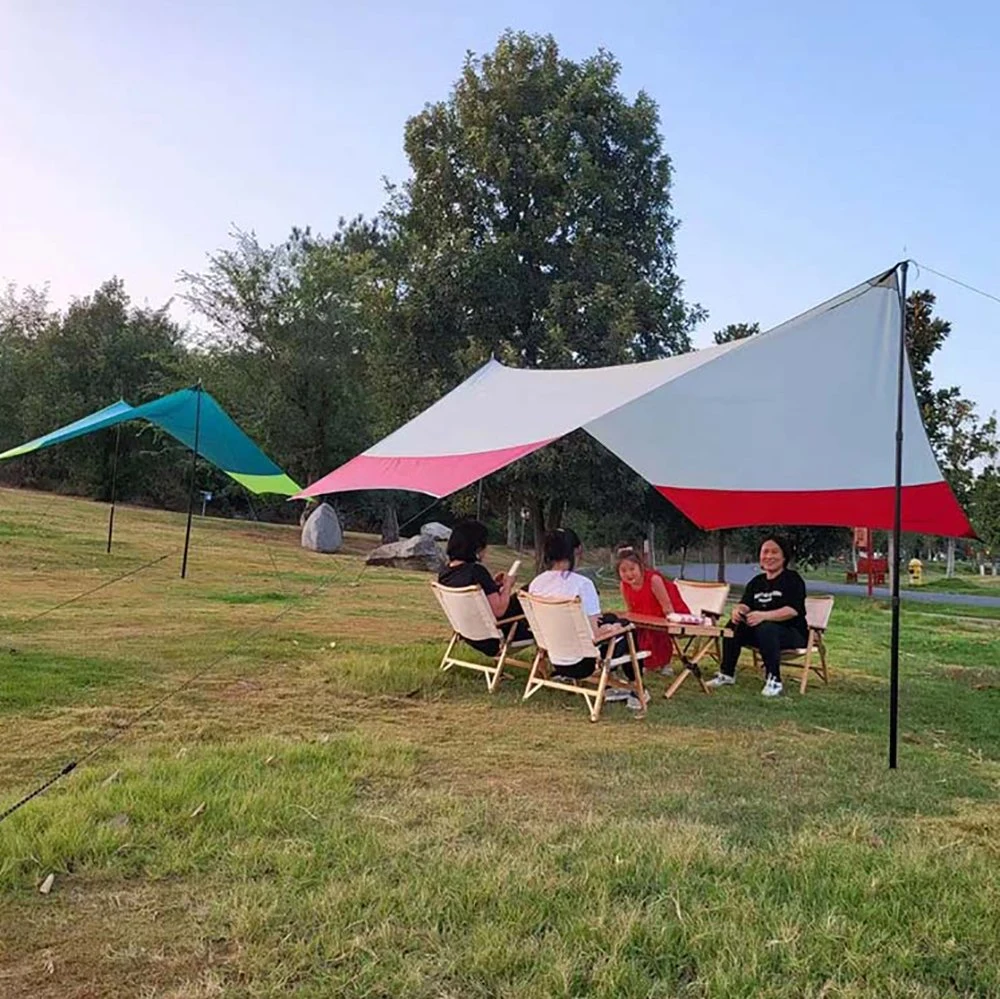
560	580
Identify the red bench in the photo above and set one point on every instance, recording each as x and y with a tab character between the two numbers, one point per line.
877	567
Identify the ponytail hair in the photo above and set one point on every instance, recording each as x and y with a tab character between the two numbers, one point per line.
559	546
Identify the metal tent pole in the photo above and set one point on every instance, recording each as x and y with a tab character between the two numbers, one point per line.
897	519
114	486
194	463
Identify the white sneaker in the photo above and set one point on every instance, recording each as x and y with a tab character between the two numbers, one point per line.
633	702
616	694
721	680
667	671
772	688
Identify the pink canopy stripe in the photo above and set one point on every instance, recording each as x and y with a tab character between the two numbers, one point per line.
433	474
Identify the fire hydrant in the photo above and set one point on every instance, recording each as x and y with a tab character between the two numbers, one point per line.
916	568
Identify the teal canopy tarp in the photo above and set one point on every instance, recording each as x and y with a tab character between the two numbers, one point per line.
220	440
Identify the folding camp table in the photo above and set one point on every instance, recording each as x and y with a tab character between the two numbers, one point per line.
700	640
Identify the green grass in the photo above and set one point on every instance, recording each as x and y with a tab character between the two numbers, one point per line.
966	580
32	680
324	813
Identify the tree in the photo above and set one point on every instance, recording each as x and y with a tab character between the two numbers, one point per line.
735	331
285	349
925	334
537	227
100	349
986	510
963	441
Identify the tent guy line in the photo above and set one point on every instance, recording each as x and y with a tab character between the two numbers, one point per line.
238	646
961	284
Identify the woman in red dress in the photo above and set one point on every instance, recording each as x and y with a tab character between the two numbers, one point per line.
646	591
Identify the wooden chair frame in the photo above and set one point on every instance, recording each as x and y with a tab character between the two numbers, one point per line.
818	611
593	688
502	630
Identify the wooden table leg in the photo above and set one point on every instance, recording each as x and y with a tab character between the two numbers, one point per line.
691	668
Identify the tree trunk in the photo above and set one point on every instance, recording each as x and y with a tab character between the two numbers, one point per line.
950	566
721	538
890	561
557	508
390	524
538	522
511	523
684	557
652	544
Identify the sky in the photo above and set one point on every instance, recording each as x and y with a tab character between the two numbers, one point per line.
814	145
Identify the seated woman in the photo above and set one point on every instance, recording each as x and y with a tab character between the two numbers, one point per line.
770	616
646	591
465	550
560	580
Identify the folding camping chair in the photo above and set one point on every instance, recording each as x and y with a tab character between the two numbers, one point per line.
818	611
471	617
562	629
708	599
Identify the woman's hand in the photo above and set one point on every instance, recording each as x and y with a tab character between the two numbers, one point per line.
740	612
756	617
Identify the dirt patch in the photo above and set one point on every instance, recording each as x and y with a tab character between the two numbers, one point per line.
87	940
977	679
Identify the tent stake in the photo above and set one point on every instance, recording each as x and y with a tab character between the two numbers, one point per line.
194	463
897	519
114	486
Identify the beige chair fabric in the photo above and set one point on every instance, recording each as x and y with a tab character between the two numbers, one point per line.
471	617
562	631
704	598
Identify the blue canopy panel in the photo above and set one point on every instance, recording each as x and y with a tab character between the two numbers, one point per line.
220	440
117	412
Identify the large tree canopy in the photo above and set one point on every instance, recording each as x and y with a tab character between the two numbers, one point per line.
539	215
537	227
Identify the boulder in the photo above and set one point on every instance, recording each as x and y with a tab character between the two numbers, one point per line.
436	531
419	552
321	531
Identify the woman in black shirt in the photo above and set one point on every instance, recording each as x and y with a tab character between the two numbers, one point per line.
771	616
466	547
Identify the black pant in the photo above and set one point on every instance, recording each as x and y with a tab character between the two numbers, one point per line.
583	668
769	637
491	646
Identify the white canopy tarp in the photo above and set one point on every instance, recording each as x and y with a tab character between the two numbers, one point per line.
793	426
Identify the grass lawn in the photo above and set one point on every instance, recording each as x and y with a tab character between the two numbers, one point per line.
324	813
934	580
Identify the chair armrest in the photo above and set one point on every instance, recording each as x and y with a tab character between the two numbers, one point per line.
616	631
510	620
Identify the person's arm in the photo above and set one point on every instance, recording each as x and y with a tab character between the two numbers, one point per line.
497	596
592	608
778	614
662	597
741	610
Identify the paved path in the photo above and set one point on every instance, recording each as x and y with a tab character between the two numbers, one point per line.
740	573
